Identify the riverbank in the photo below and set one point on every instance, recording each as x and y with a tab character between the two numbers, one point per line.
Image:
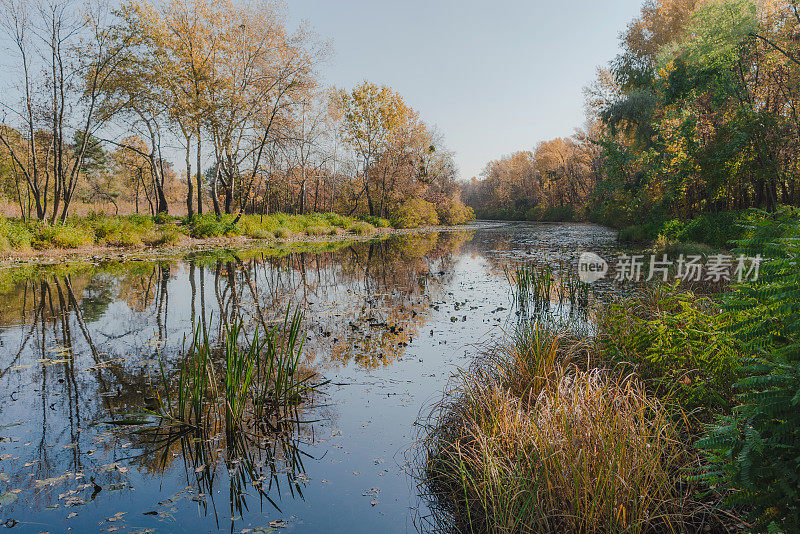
551	432
138	237
677	415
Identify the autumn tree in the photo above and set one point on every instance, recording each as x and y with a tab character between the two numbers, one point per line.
65	55
372	116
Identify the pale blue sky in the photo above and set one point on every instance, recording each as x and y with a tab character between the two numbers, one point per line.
494	77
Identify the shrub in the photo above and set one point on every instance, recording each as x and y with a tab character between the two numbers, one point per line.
281	233
677	343
361	228
377	222
14	235
715	229
62	236
632	234
337	220
414	213
755	452
672	230
453	212
161	218
208	225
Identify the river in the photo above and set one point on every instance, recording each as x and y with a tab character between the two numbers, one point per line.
386	325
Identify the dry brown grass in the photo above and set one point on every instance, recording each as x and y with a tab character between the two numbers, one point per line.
526	441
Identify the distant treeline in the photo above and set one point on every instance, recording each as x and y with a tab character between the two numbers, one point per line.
697	114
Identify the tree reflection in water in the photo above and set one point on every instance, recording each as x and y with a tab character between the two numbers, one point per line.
81	343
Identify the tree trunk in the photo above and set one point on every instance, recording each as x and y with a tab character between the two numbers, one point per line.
199	177
190	192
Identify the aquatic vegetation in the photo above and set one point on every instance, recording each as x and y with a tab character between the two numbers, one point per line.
534	287
260	381
525	441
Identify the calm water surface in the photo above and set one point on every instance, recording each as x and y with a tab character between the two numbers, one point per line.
386	323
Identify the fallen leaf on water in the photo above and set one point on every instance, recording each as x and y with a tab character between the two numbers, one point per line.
8	498
116	517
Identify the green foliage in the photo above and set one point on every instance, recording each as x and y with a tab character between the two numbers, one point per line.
14	235
165	236
337	220
119	231
61	236
414	213
209	225
672	230
755	452
633	234
375	221
678	344
716	32
361	228
162	218
715	229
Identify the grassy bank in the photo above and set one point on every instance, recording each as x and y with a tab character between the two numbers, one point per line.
531	439
681	414
146	231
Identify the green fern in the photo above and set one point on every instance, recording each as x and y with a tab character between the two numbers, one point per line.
756	451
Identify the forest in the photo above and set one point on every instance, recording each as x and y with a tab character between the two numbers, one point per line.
694	120
197	108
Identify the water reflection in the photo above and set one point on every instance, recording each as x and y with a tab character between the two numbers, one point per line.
81	345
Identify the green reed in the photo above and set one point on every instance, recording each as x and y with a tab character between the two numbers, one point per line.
533	286
237	381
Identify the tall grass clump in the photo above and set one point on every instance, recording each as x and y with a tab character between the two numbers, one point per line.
14	235
525	441
313	231
361	228
236	383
